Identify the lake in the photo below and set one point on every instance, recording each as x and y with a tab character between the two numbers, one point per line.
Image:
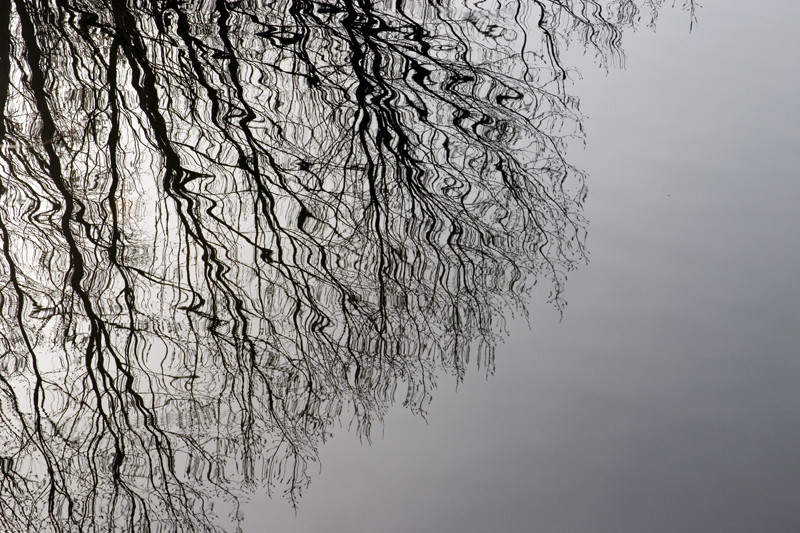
399	267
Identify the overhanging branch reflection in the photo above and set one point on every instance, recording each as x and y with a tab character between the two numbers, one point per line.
227	225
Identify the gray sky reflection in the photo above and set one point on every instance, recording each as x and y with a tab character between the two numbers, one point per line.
667	399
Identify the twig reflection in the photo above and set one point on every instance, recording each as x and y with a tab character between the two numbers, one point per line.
227	225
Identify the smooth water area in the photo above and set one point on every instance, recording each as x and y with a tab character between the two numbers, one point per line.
266	253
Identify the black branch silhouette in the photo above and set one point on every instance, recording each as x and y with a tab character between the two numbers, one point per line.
226	226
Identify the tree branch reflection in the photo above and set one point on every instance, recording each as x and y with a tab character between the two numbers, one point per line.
227	226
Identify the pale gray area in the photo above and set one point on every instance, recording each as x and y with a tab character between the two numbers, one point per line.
668	397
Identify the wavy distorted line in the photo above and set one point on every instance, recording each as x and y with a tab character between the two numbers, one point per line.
227	226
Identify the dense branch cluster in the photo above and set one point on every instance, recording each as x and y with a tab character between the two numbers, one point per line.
227	225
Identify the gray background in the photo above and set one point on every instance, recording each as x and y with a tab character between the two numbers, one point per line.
668	397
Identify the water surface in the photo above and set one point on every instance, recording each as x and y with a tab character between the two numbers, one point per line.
236	234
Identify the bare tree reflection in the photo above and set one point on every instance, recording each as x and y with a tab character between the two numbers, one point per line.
228	225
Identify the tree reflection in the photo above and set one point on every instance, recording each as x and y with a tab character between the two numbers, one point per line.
227	226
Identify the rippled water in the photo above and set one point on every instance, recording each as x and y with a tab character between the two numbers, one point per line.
233	230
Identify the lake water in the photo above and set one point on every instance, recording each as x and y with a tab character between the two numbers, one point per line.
231	269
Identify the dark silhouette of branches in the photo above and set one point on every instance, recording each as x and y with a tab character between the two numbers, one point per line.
226	226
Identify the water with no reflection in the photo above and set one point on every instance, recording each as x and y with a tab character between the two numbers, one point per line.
241	240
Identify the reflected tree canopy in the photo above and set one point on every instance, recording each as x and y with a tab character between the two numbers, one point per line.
226	226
